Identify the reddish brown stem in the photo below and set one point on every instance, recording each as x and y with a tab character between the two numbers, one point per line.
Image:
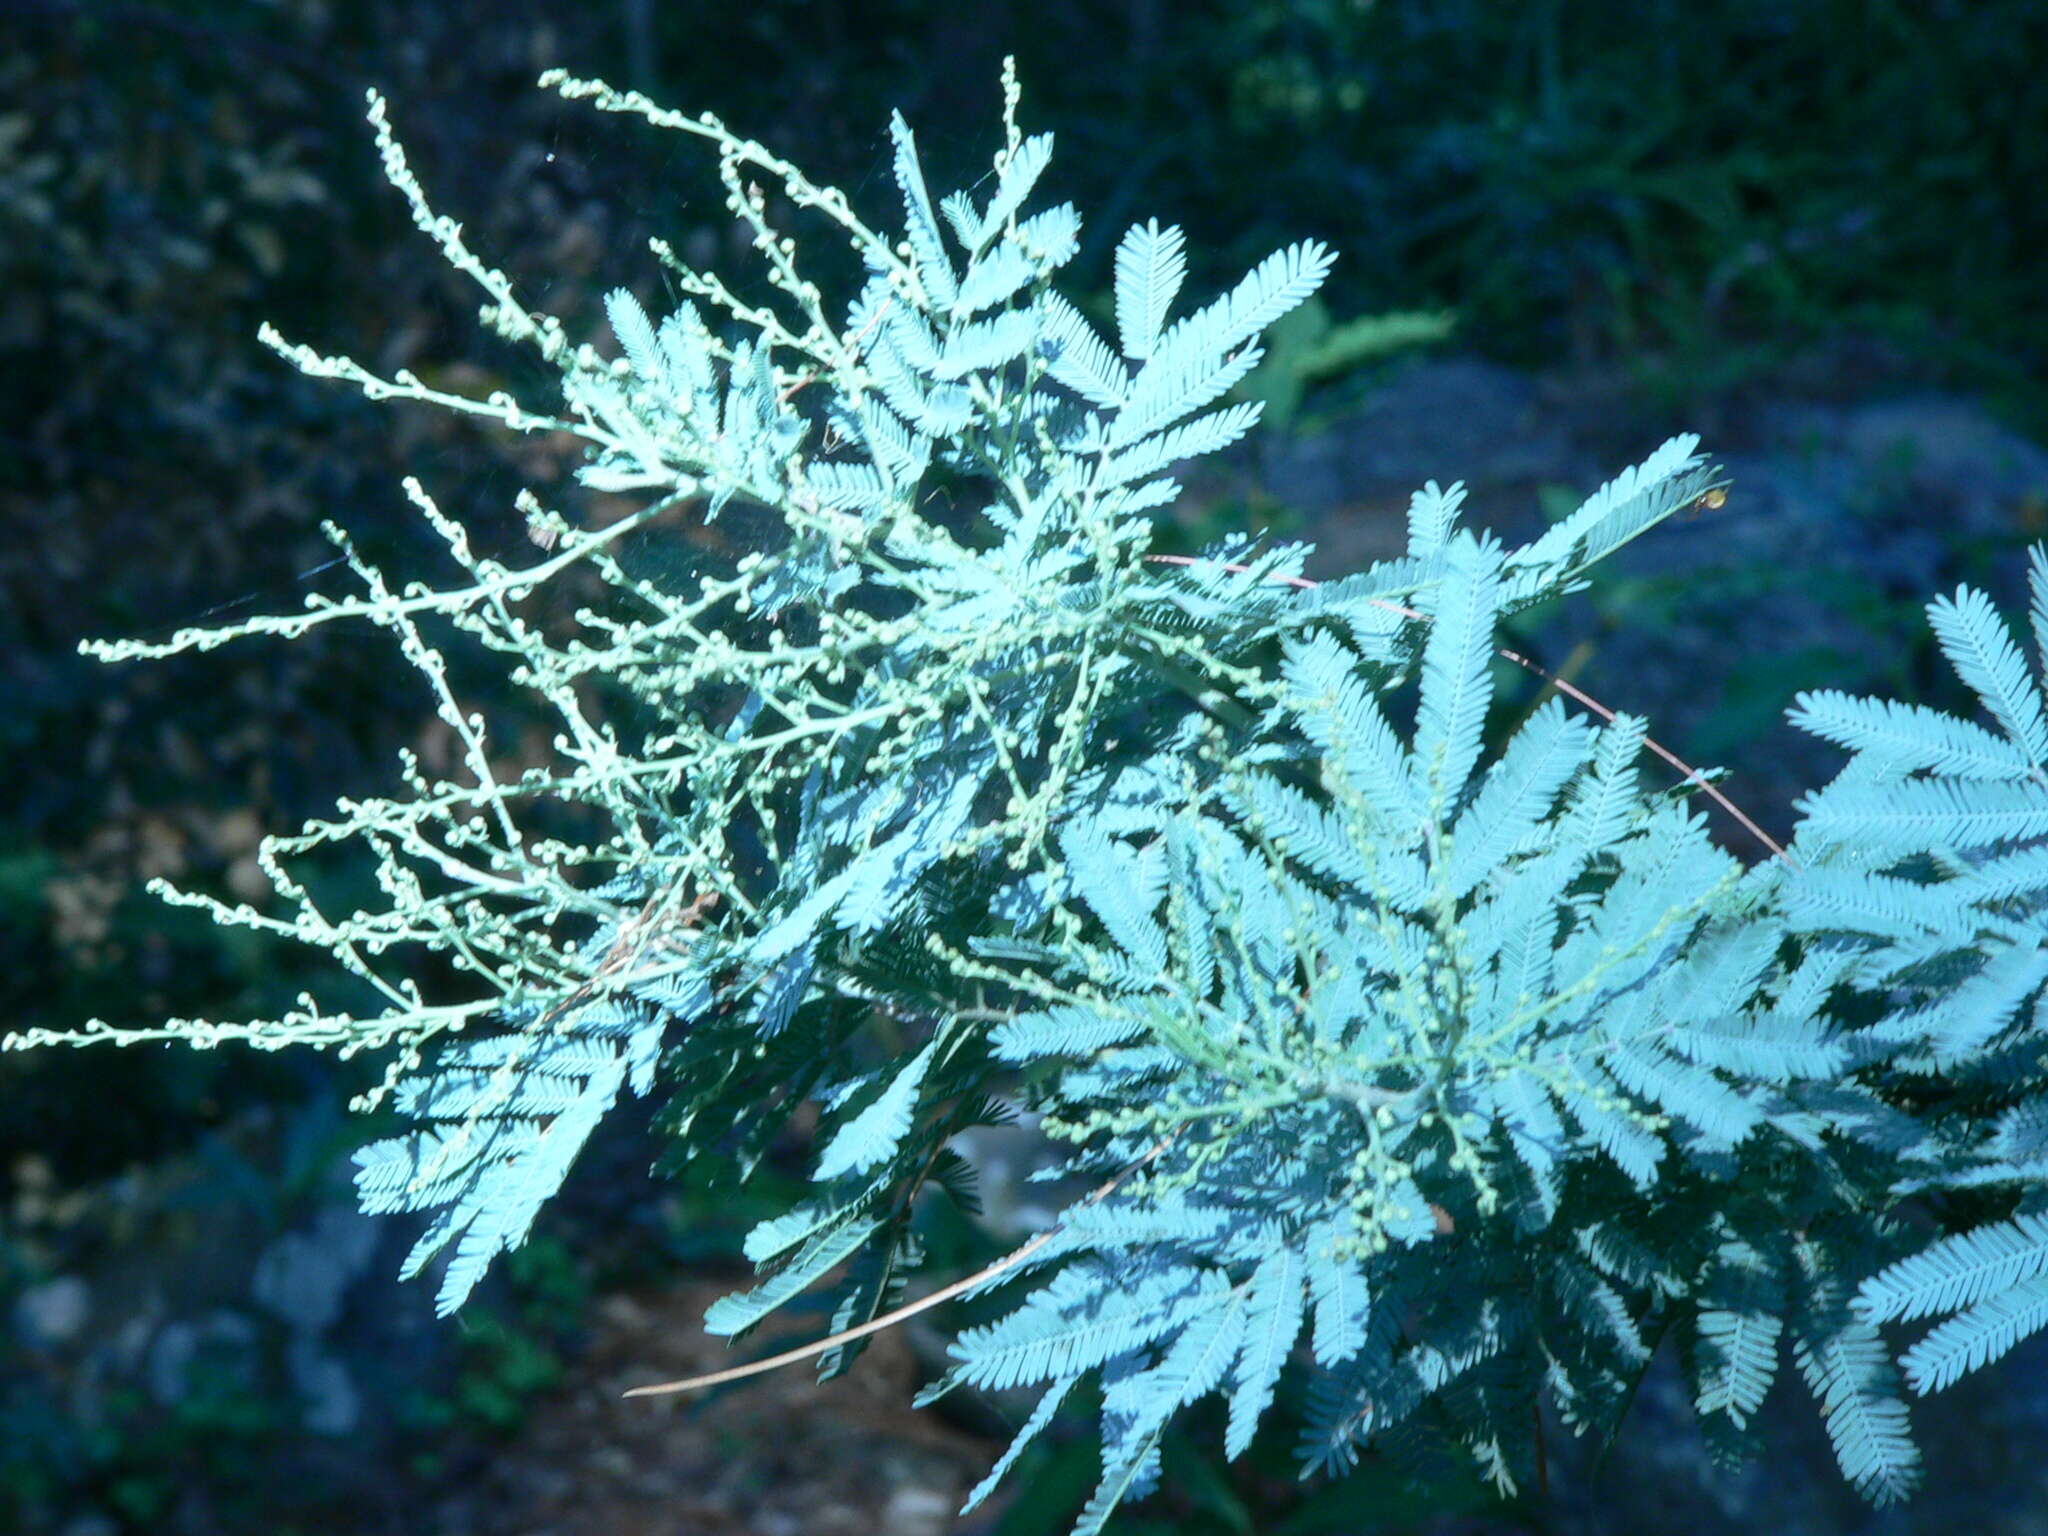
1692	775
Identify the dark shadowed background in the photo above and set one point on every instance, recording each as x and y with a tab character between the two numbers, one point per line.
1811	232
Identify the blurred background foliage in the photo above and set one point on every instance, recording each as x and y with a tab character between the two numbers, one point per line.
1691	196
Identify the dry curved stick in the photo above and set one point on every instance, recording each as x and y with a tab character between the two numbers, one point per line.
890	1319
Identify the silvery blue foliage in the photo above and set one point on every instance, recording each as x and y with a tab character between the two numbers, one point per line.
1443	1076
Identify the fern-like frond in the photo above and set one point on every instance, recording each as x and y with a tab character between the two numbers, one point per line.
1517	794
1077	357
1120	889
1457	670
1080	1321
1342	1296
1272	1319
1905	737
1150	266
1432	512
507	1117
1853	1380
1889	821
921	229
829	1247
1041	1415
1624	508
1958	1271
1019	174
1203	354
877	1131
1981	649
1973	1339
